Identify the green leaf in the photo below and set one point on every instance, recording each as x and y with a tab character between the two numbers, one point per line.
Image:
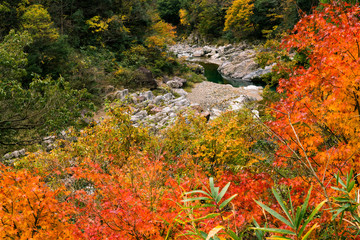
203	234
211	215
339	189
224	203
275	214
303	209
340	210
233	235
313	213
259	234
281	202
194	199
208	205
342	183
275	230
278	237
198	191
350	186
222	193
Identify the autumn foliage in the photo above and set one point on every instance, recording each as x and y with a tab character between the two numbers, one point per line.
31	210
117	181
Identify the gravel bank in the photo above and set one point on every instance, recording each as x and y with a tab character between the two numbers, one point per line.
212	95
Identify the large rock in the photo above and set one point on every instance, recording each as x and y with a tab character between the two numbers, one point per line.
174	84
257	73
236	61
180	91
199	52
240	65
121	94
144	78
182	80
9	158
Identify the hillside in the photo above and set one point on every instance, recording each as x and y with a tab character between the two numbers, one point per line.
107	134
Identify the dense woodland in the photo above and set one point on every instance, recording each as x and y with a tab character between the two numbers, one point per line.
289	173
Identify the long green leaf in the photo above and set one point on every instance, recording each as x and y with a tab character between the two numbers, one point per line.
303	209
350	186
211	215
233	235
282	205
194	199
278	238
259	234
224	203
275	214
222	193
339	189
342	183
198	191
313	213
275	230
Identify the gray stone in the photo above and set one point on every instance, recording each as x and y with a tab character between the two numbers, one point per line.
49	139
174	84
7	156
172	115
180	91
182	80
251	87
258	73
144	78
256	113
139	116
121	94
167	110
183	102
207	49
134	97
199	52
237	103
12	155
158	99
168	97
148	95
238	70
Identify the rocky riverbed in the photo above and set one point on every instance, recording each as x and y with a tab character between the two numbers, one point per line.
206	98
217	98
236	62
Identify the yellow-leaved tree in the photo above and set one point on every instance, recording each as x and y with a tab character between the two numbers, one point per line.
37	21
237	17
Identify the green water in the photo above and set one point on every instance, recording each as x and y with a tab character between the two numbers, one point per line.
212	75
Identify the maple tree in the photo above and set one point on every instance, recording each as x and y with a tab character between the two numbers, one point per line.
318	117
316	121
30	210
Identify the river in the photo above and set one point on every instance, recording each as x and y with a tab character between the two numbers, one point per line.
212	75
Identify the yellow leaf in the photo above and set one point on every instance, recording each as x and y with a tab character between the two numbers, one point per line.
214	231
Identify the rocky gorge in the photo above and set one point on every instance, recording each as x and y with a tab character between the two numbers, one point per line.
236	62
206	98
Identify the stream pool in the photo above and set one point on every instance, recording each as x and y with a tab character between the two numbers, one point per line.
212	75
